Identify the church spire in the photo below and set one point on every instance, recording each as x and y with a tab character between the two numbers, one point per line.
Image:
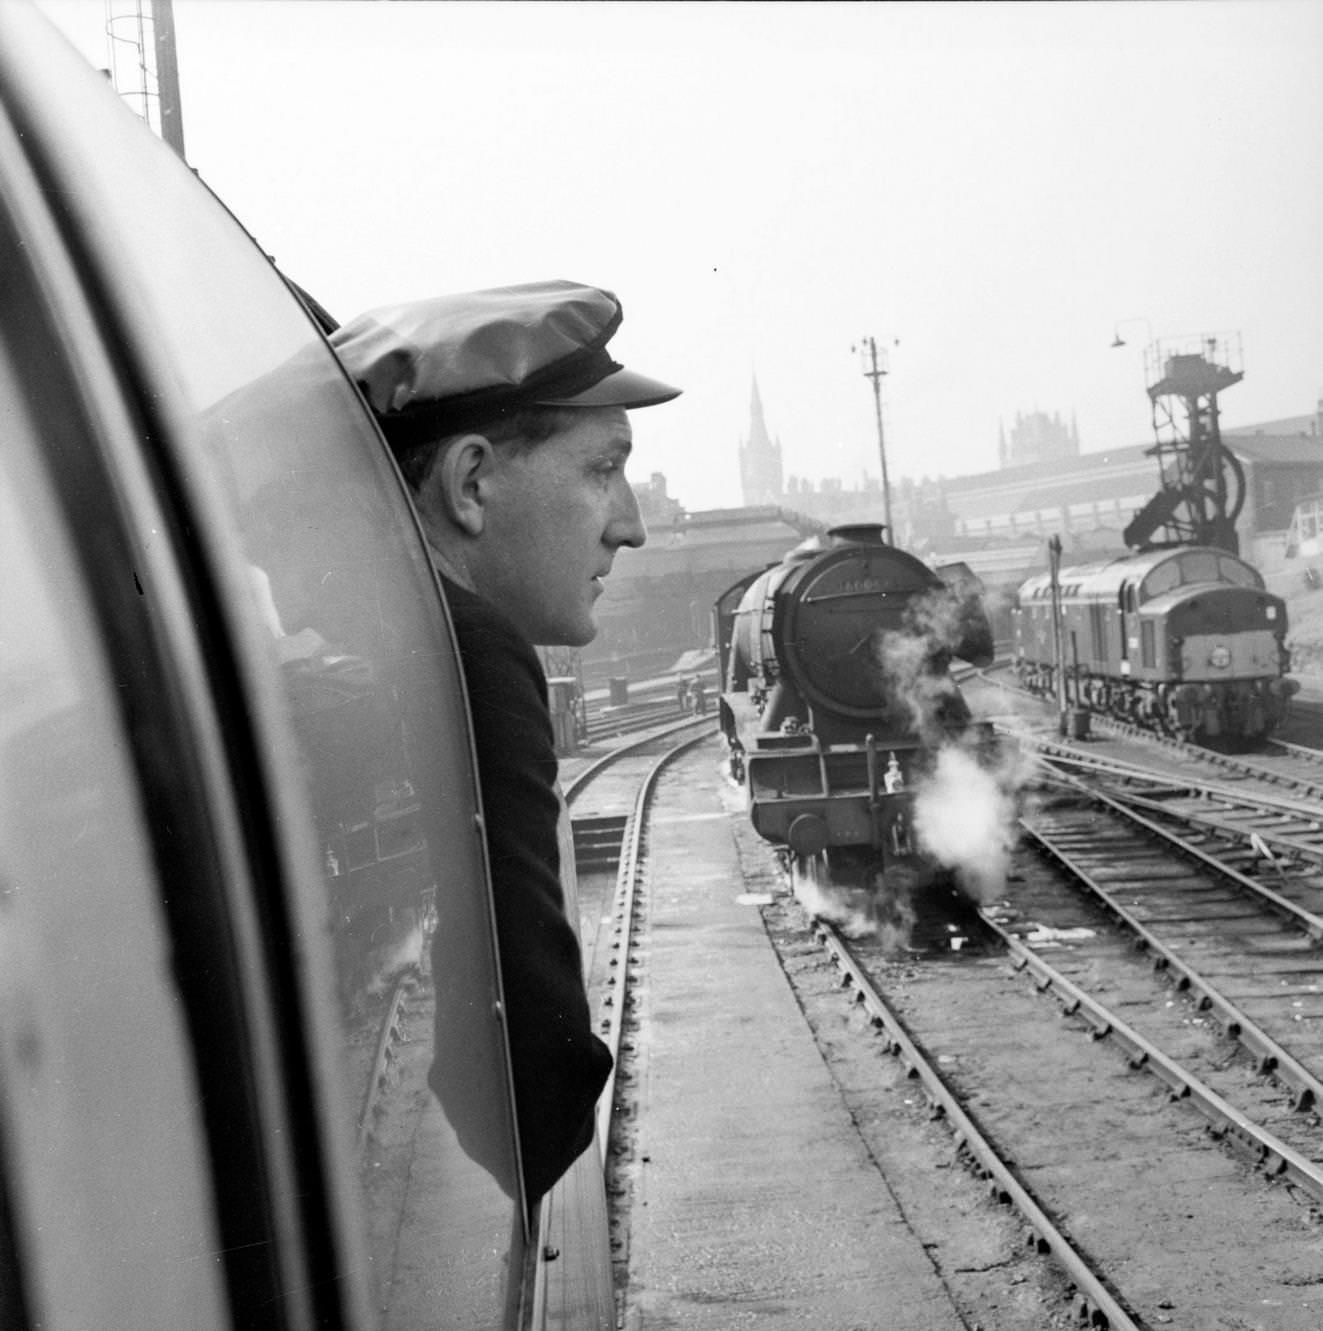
759	439
760	458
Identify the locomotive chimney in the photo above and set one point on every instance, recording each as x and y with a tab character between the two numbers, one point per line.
857	533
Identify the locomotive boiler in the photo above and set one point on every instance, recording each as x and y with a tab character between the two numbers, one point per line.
1183	640
837	695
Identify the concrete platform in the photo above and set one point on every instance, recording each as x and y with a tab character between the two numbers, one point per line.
755	1200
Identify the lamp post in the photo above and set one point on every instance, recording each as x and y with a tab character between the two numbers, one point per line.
874	370
1150	347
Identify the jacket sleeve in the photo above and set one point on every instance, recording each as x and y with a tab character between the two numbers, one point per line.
559	1065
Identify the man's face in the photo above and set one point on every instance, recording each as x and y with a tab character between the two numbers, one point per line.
556	514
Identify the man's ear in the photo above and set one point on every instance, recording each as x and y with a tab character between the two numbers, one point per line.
454	486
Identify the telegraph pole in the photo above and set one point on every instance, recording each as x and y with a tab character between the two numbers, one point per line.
167	75
1054	566
874	371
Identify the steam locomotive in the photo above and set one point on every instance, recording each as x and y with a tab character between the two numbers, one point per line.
1183	640
837	697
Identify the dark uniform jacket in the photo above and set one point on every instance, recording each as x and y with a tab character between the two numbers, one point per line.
559	1065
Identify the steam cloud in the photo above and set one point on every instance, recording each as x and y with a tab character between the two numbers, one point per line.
964	817
853	911
913	662
964	808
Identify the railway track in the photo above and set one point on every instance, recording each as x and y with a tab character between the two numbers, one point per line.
1292	766
618	790
1264	833
394	1048
1131	1054
1289	766
1247	949
1113	1172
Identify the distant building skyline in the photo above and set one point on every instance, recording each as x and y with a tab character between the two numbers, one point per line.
1044	483
1037	437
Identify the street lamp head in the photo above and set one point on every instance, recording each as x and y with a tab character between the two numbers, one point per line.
1118	340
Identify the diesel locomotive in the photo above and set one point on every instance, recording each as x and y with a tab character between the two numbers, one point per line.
837	696
1183	640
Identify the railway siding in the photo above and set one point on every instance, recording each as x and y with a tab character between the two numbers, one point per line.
1188	1217
1181	1230
1248	955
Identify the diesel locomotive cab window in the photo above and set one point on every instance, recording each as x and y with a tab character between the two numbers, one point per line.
341	594
1162	579
1199	566
1237	572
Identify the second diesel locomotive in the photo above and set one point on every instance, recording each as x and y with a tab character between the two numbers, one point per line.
1185	640
837	694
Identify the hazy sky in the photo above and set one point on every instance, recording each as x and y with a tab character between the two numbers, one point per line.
995	185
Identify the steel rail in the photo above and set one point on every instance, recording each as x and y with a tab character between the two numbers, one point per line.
1275	1157
1310	923
1059	755
1231	762
612	1028
1300	751
1283	839
637	716
1102	1301
1272	1057
582	778
387	1037
1211	796
624	914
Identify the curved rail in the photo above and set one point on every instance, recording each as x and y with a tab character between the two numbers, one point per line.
387	1038
581	779
623	926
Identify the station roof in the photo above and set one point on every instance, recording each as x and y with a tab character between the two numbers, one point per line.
1110	474
1281	449
1280	429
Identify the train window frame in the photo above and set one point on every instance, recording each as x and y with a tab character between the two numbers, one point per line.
108	505
128	480
1198	566
1162	578
69	771
1238	573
